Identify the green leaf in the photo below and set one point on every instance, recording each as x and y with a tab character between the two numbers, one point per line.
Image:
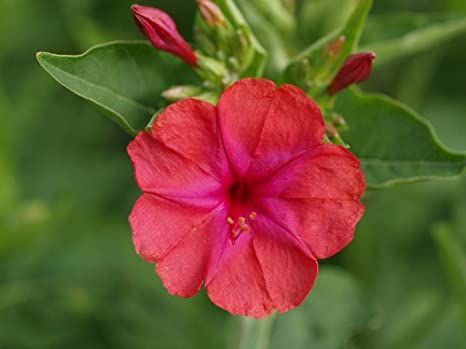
124	79
315	67
331	315
393	143
318	18
397	36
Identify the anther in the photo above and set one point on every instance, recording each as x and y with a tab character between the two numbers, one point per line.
230	221
253	215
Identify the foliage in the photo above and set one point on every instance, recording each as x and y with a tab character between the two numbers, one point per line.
69	274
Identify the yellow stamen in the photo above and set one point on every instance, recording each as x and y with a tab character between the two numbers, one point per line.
253	215
230	221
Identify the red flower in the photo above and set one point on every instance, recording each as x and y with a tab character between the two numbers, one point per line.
356	68
243	198
161	30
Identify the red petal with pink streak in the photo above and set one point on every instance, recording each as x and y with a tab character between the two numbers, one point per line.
326	225
160	170
263	126
158	225
293	125
289	272
317	196
189	127
184	268
264	270
239	286
242	110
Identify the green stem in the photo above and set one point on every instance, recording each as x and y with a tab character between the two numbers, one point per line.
255	334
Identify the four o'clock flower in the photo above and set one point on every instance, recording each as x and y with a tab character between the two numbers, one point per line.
243	198
356	68
161	30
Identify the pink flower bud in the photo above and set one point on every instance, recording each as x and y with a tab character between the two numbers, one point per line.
210	13
161	30
356	68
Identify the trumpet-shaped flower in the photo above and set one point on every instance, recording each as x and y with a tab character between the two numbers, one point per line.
243	198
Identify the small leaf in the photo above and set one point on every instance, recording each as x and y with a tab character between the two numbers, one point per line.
315	67
318	18
393	143
331	315
393	37
123	79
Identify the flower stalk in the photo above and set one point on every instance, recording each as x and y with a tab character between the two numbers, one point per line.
255	334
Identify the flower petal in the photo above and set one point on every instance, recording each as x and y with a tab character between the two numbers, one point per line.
327	171
317	196
238	286
189	128
242	110
293	125
184	268
263	126
158	225
326	225
162	171
289	272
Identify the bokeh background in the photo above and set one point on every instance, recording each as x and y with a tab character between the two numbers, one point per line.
69	276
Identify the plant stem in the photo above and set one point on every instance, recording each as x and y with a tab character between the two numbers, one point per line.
255	334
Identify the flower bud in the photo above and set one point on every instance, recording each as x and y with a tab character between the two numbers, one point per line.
177	93
161	31
356	68
210	13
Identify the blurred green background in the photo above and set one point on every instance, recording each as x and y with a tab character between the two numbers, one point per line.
69	276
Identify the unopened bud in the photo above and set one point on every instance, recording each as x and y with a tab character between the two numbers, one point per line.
211	13
177	93
337	120
335	46
161	31
356	68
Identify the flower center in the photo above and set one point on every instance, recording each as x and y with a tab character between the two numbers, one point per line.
239	193
238	219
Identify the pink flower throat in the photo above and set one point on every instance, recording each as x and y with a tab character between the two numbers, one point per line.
239	196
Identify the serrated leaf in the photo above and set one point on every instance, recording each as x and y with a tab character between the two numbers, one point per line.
397	36
393	143
124	79
316	66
